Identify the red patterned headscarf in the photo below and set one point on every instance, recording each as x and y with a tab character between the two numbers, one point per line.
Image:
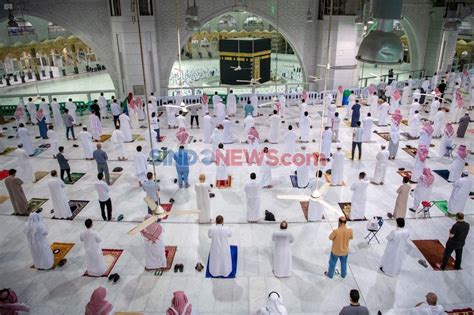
152	232
178	305
98	305
422	152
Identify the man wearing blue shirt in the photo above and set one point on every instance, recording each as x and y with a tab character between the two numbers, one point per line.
181	159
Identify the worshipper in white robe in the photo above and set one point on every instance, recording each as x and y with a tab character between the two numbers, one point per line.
434	81
415	106
24	164
457	166
420	158
414	125
315	208
429	307
266	170
71	106
394	135
53	140
58	197
406	94
381	166
274	306
425	85
203	200
330	114
434	107
305	125
217	137
249	122
55	107
141	166
438	122
125	127
326	140
352	99
290	141
336	122
282	100
374	103
422	189
219	112
339	96
102	101
216	99
31	108
396	250
45	107
254	102
388	92
181	120
394	102
383	114
118	140
221	166
19	116
95	263
359	197
154	144
426	134
95	126
367	125
275	122
416	95
303	108
231	104
220	259
460	193
171	115
25	139
228	137
446	140
302	171
282	256
155	255
40	249
337	169
253	191
86	143
207	128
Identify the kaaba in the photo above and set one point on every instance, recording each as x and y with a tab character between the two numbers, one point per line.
253	55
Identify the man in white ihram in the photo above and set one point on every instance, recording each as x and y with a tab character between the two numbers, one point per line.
207	128
282	257
203	200
337	171
396	250
220	259
58	197
253	191
381	166
359	198
95	263
86	142
103	105
275	122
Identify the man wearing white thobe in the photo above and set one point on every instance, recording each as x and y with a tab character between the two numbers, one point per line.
95	263
367	124
219	111
125	127
231	104
415	106
331	113
303	108
252	191
315	208
31	108
103	105
249	122
275	122
326	143
24	164
305	125
216	99
181	120
290	141
203	200
266	170
414	125
53	140
228	136
282	256
282	100
207	128
374	103
337	170
221	167
95	126
45	107
434	81
36	234
381	166
406	94
438	123
434	106
58	119
86	143
359	198
336	122
352	100
383	113
72	109
217	138
118	140
460	193
58	197
254	102
141	166
220	259
396	250
25	139
302	170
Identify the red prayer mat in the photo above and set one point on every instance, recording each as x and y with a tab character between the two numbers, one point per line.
433	251
3	174
224	183
111	257
462	311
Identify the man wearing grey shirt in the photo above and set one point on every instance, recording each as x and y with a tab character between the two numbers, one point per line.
357	140
63	164
115	109
69	123
354	308
152	189
101	159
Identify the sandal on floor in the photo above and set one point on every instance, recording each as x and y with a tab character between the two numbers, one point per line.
199	267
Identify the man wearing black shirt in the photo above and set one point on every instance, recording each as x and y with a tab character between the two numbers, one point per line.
456	240
95	108
442	88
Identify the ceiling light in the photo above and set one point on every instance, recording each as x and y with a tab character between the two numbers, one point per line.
381	47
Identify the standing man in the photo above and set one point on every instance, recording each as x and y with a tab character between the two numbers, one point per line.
155	125
16	193
141	166
207	128
282	256
357	133
101	158
359	198
31	108
456	240
460	193
354	308
63	164
58	122
71	109
220	258
340	238
403	192
336	122
396	250
95	263
115	109
25	139
58	197
54	140
181	159
45	107
463	124
253	191
381	166
86	142
102	105
69	123
103	191
355	118
337	171
305	125
152	189
24	164
367	124
231	104
203	200
118	140
275	122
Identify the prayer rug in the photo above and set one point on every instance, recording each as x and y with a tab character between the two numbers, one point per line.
348	123
40	175
162	138
411	151
44	146
328	179
346	209
3	174
442	205
224	183
35	203
137	137
60	251
234	254
38	151
190	138
3	198
104	138
462	311
384	135
442	173
75	177
170	252
111	257
8	150
433	251
167	207
348	154
406	174
405	122
114	177
160	114
76	207
407	136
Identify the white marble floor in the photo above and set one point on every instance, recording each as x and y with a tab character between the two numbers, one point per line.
65	291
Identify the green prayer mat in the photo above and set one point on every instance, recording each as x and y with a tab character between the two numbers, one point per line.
74	176
35	203
443	206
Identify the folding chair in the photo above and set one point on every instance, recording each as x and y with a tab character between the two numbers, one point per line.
374	230
426	209
450	151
